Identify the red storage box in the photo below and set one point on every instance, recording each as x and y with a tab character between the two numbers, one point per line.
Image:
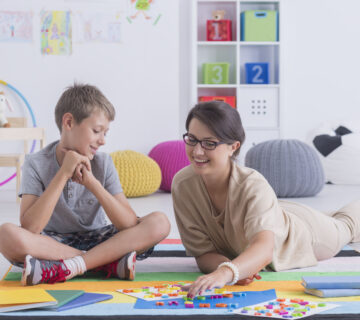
218	30
231	100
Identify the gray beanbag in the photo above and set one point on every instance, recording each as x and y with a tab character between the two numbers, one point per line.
292	167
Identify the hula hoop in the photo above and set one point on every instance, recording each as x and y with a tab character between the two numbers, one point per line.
32	118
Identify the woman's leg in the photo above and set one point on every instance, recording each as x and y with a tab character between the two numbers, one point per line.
334	232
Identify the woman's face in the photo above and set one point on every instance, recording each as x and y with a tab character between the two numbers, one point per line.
208	162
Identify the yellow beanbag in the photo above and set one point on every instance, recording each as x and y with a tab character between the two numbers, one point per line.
139	175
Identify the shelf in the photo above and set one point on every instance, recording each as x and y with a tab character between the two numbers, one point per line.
258	2
257	43
217	43
258	104
259	86
221	1
217	85
233	43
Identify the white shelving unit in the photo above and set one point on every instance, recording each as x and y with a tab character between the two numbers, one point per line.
258	105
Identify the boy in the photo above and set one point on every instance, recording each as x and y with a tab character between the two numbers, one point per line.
67	188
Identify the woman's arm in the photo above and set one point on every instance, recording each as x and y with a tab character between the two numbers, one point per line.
257	255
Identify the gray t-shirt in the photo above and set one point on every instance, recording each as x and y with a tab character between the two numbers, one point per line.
77	208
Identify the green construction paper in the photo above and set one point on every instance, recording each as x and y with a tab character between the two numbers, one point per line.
191	276
140	276
64	296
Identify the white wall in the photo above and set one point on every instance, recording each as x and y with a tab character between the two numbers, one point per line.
321	63
147	77
140	76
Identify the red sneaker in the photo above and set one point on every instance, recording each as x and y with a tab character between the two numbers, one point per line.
124	268
43	271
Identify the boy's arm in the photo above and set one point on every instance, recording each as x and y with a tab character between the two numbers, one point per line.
35	212
116	207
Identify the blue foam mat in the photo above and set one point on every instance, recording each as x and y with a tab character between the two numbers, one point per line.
251	297
113	309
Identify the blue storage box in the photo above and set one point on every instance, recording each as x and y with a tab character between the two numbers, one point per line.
257	73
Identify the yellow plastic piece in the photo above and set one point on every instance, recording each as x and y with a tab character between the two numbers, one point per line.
139	174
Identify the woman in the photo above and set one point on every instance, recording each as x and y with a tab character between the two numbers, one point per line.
229	217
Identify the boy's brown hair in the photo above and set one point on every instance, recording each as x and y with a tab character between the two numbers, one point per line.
81	100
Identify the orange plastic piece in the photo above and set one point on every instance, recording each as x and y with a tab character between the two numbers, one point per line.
276	310
228	295
128	290
221	305
159	303
280	299
204	305
157	294
269	314
173	294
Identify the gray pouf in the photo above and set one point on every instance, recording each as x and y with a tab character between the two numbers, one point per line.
291	167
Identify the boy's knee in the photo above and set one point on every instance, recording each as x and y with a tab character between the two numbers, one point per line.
10	237
8	231
161	224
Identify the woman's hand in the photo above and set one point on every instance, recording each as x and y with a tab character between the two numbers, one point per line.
247	281
216	279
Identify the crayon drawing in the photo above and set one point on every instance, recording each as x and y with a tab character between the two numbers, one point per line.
99	27
56	36
15	26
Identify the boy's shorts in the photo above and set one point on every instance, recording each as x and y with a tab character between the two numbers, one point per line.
87	240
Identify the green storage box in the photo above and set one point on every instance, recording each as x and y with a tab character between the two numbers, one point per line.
259	25
216	73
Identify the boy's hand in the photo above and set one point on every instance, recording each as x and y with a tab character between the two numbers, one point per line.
83	176
72	160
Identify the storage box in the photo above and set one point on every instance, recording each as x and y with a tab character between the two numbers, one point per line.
216	73
218	30
259	25
258	107
228	99
257	73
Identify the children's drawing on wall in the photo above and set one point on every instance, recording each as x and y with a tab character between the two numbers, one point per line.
143	10
98	27
16	26
56	36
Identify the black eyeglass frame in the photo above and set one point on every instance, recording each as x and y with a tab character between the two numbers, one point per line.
215	143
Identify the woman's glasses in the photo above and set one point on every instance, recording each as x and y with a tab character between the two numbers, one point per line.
206	144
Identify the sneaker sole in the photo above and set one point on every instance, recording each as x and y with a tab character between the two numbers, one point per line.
131	261
26	273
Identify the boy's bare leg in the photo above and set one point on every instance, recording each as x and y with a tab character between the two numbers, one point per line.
17	242
150	230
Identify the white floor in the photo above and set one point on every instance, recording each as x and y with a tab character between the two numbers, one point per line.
330	198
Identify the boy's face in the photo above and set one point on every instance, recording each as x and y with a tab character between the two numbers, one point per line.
88	135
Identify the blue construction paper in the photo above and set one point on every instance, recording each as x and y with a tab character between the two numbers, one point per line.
85	299
252	297
331	282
